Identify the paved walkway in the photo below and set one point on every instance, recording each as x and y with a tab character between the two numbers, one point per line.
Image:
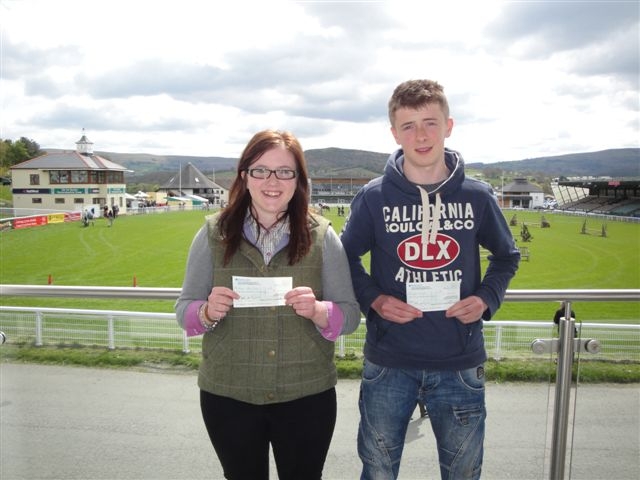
82	423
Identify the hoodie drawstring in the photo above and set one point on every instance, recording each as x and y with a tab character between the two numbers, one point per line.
430	223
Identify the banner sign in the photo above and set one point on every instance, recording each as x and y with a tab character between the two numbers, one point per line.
68	191
56	218
25	222
31	190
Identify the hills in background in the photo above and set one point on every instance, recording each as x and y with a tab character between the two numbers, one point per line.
336	162
620	162
345	163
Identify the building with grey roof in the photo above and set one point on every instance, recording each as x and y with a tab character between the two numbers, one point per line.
522	194
190	182
68	181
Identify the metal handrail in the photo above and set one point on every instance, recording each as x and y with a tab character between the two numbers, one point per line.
153	293
593	295
150	293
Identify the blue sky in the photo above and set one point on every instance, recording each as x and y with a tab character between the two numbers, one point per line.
524	79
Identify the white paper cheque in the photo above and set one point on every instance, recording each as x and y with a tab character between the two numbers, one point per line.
433	296
261	291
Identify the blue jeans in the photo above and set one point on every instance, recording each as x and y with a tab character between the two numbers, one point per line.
455	402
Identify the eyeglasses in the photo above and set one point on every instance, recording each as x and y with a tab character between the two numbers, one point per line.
264	173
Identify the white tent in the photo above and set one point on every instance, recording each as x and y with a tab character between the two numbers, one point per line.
197	200
180	199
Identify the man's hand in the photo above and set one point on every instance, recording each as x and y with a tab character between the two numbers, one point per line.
467	310
394	310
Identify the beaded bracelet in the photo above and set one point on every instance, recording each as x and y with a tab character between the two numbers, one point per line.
205	321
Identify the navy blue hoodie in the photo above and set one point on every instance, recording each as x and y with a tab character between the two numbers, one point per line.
419	236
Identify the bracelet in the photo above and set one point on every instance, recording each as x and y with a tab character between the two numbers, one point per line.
327	317
205	321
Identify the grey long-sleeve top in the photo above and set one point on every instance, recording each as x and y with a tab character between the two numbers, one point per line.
336	278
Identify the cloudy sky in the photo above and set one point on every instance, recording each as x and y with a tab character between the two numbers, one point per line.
524	78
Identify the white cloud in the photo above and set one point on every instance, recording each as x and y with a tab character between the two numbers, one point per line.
524	79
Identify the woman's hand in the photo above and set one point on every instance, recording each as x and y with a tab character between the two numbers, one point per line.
304	303
220	301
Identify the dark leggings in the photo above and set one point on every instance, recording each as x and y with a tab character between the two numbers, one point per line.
299	432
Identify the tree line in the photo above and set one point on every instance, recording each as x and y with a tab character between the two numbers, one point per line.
13	152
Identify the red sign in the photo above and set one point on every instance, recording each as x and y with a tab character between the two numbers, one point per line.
30	221
428	256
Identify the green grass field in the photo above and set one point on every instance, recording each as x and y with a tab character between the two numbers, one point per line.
153	249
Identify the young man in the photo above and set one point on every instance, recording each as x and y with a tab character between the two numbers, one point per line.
424	298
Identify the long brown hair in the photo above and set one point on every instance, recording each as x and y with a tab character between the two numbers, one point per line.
231	220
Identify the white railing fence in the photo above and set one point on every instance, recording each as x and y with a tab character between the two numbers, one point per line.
126	329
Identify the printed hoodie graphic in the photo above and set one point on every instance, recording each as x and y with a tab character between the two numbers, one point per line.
427	233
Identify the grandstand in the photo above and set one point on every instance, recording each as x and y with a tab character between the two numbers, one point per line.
606	196
336	190
602	195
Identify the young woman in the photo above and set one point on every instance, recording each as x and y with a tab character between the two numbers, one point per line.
268	375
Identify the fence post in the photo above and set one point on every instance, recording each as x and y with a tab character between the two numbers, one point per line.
562	397
111	333
341	346
38	329
498	354
185	342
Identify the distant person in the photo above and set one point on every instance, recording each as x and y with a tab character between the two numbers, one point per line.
267	377
87	218
422	223
110	216
560	313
